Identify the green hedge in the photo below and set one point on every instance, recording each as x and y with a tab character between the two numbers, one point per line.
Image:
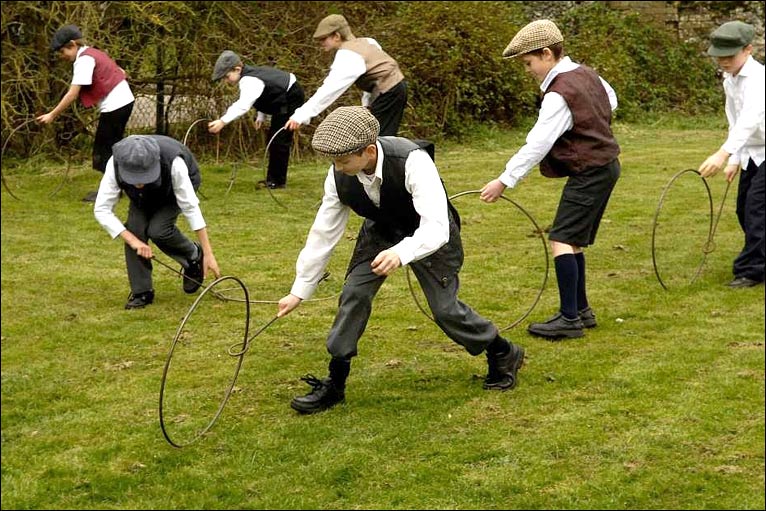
450	53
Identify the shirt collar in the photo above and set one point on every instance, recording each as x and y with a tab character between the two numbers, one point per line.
747	69
378	166
563	65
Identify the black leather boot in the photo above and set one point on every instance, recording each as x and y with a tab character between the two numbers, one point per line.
325	393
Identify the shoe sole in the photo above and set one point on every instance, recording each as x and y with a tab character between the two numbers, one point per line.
590	324
516	368
308	411
557	334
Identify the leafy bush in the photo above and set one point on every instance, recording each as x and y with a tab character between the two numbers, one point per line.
450	53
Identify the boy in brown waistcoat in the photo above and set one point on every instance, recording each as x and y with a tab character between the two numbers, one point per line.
360	61
572	138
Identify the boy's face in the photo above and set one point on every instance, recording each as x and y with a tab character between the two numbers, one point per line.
68	52
539	65
733	64
331	42
233	75
352	164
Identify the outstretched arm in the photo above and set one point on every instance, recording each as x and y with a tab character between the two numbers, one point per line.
68	99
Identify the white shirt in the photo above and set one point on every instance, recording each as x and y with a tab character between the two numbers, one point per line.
109	194
82	74
554	119
421	180
745	112
346	68
250	89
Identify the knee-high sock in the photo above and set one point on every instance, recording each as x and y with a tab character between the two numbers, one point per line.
566	275
582	297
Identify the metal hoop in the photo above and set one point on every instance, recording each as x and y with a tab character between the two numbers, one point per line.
240	356
711	229
539	232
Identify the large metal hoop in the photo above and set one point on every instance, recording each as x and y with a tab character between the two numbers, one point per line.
538	231
239	355
708	245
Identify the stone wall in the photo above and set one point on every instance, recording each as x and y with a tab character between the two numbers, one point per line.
690	21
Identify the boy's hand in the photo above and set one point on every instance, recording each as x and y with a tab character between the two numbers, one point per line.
731	172
292	125
713	164
492	191
215	126
46	118
385	263
287	304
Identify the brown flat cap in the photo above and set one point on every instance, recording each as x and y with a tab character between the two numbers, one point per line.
536	35
330	24
346	130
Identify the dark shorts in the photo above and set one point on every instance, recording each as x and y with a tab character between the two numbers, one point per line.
582	205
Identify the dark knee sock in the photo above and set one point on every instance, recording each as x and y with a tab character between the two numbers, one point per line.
498	347
566	275
339	369
582	297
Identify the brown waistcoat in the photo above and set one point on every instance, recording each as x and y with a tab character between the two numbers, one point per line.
590	143
382	70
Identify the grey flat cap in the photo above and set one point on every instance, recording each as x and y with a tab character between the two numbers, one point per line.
330	24
137	159
534	36
225	63
728	39
346	130
64	35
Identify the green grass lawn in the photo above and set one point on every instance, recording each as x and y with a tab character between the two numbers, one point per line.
661	406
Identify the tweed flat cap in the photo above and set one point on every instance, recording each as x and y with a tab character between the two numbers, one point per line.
728	39
535	36
137	159
64	35
225	63
330	24
346	130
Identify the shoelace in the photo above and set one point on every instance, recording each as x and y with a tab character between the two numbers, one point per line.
312	380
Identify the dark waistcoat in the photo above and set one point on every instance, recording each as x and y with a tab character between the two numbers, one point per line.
155	195
273	100
396	217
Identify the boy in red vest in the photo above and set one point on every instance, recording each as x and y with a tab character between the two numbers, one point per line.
98	81
572	138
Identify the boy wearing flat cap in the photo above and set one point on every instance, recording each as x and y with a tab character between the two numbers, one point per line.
394	185
744	147
360	61
270	91
160	176
98	81
572	138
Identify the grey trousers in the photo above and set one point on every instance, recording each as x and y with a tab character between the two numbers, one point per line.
456	319
160	227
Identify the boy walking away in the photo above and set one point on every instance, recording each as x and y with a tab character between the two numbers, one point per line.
572	138
270	91
395	186
98	81
160	176
359	61
743	84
